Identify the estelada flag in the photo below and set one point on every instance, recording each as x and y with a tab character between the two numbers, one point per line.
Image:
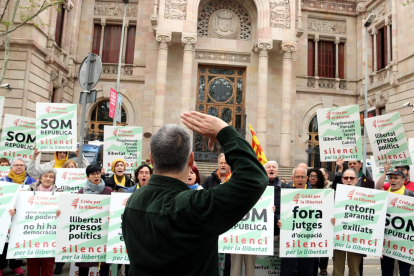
257	148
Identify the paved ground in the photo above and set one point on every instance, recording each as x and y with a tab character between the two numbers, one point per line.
372	267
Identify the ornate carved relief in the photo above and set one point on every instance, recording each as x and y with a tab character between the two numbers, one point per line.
379	99
279	14
329	7
224	19
381	10
115	9
224	24
175	9
327	26
223	56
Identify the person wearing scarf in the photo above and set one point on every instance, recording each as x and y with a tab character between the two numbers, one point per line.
119	182
43	266
193	181
19	176
18	173
396	179
60	157
94	185
220	176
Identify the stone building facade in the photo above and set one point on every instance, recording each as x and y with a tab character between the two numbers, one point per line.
268	63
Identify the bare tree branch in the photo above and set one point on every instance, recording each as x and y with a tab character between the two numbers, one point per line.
4	11
42	8
7	46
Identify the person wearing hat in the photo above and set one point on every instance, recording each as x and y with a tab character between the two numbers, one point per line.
397	179
119	181
404	169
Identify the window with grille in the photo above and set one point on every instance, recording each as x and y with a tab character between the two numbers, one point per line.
381	44
326	59
111	43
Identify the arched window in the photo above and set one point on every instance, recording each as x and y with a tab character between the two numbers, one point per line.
314	159
99	118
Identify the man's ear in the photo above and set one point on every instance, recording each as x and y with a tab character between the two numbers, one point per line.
190	160
150	157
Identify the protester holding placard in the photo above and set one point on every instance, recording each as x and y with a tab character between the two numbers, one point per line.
303	266
94	185
363	181
396	178
118	182
18	173
60	157
43	266
404	169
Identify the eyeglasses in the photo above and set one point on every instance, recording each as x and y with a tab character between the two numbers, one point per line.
18	165
299	176
395	178
144	173
352	178
313	176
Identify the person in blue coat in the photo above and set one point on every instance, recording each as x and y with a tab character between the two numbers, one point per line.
18	173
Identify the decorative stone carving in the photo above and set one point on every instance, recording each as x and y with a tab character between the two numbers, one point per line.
287	49
329	7
224	19
380	10
360	8
279	14
115	9
175	9
224	24
245	58
189	42
327	26
58	79
379	99
163	40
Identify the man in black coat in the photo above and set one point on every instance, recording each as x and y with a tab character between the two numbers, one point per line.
221	175
363	181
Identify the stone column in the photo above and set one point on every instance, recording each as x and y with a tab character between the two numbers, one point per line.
316	62
261	127
103	24
163	40
374	33
125	42
388	30
337	63
285	145
188	58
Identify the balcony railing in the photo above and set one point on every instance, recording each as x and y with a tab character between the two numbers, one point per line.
326	83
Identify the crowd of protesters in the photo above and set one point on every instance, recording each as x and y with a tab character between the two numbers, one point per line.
42	178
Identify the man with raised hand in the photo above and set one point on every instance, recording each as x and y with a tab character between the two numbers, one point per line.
172	230
404	169
356	165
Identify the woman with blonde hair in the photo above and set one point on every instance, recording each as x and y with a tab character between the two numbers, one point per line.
70	164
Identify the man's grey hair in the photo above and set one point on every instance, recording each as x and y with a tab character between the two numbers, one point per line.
16	159
293	171
350	170
271	162
170	149
220	155
48	171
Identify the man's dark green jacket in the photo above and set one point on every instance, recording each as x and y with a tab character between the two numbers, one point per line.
172	230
